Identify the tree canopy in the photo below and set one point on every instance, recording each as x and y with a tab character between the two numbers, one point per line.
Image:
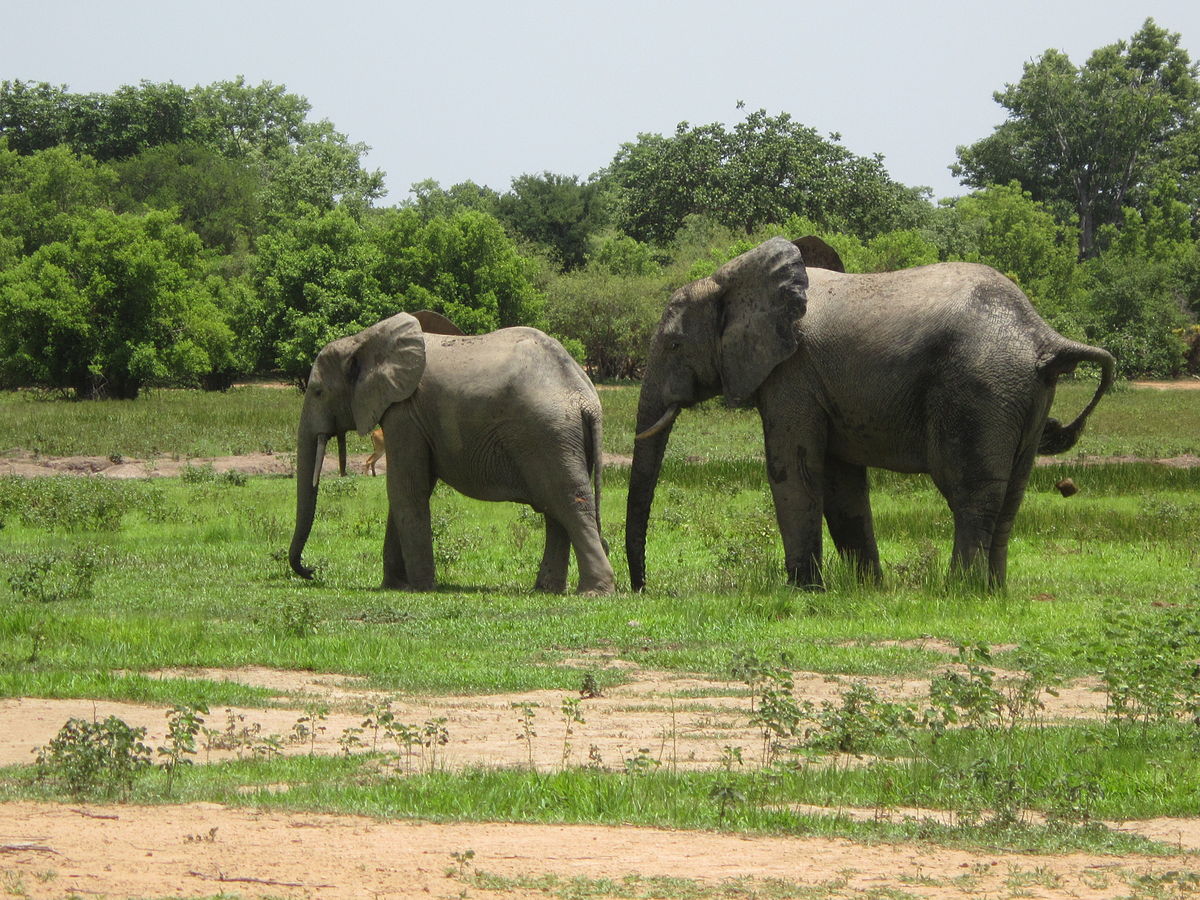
766	169
164	235
1088	138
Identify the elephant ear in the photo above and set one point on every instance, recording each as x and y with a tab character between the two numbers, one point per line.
435	323
763	294
385	368
819	255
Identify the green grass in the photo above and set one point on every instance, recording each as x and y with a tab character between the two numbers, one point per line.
141	575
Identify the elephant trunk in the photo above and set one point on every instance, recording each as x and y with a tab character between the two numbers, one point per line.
310	454
654	423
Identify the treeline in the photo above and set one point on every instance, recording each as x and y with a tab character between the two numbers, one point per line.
164	235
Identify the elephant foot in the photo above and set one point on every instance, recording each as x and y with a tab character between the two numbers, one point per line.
596	587
550	586
597	592
399	584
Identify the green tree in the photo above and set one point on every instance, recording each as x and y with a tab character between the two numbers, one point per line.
322	171
316	275
464	266
431	200
555	211
218	198
327	274
1006	228
1085	138
41	192
117	304
103	126
243	121
767	169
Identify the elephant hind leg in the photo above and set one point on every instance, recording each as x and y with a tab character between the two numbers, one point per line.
1018	479
976	506
552	576
848	515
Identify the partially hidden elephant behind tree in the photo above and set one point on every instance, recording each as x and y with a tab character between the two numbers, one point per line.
945	369
501	416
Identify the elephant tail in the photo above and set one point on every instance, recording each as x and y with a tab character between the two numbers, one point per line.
593	432
1056	437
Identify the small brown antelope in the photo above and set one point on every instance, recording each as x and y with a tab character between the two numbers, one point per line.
377	453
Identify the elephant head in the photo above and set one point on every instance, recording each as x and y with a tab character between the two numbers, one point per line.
719	335
353	380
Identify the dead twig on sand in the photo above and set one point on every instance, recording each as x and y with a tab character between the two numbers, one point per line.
221	876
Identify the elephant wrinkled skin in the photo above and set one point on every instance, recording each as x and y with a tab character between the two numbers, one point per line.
501	416
945	369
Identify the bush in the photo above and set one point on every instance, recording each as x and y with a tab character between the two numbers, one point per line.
613	317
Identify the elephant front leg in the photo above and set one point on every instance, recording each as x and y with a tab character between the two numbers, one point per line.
796	474
552	575
395	576
408	544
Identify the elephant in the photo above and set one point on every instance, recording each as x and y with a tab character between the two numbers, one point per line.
944	369
505	416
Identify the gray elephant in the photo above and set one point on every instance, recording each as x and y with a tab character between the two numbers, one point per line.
945	369
502	416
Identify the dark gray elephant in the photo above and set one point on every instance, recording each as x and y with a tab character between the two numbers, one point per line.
502	416
945	369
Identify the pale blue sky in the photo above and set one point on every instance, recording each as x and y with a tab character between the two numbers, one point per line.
487	91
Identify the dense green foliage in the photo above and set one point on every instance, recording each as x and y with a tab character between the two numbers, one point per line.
162	235
1090	138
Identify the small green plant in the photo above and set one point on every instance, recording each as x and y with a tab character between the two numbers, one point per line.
183	724
294	615
589	687
238	735
86	757
641	763
350	739
525	717
462	862
56	576
308	726
434	735
773	706
1147	663
571	716
857	723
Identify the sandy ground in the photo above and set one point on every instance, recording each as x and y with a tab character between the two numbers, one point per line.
50	850
201	849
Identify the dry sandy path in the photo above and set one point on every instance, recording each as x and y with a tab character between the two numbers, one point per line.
201	849
52	850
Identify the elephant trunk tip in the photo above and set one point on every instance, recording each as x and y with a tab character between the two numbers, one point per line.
300	569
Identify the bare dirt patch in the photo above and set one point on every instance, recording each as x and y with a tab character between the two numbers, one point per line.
29	465
49	850
201	849
678	721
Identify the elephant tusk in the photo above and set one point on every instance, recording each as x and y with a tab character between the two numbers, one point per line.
665	422
319	459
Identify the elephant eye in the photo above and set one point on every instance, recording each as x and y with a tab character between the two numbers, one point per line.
674	345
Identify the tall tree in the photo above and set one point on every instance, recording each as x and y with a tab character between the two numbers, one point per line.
766	170
1084	138
556	211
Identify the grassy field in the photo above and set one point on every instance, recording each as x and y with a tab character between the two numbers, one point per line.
105	581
